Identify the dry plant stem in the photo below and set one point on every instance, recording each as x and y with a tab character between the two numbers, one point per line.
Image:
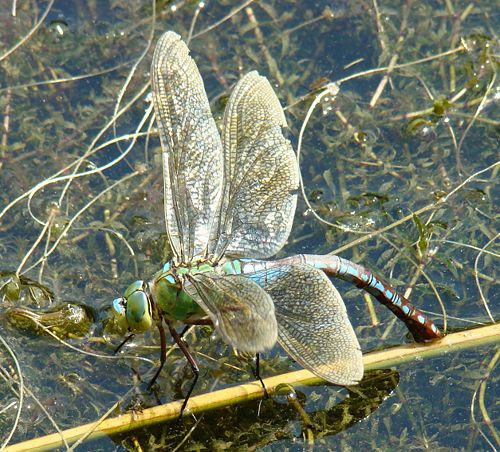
251	391
46	248
6	126
409	412
46	227
105	416
353	63
91	150
8	407
472	247
394	58
188	434
148	135
489	189
84	352
30	33
326	14
224	19
481	294
111	410
371	310
72	78
132	71
76	77
482	391
113	263
120	237
271	63
489	121
201	5
381	70
380	27
438	297
116	212
432	206
471	122
332	90
76	216
430	110
55	178
212	57
46	412
21	393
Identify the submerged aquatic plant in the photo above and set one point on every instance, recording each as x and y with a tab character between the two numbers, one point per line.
398	172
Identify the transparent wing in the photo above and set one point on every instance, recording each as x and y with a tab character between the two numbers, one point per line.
313	326
241	311
192	150
260	174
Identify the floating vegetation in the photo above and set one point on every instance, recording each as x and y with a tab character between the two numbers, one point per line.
393	107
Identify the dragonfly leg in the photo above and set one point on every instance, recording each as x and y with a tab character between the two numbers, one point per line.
163	352
194	367
183	332
117	349
257	374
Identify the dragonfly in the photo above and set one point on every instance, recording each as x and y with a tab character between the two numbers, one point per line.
229	204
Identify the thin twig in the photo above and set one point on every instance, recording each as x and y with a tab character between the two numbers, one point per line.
21	393
481	294
30	33
224	19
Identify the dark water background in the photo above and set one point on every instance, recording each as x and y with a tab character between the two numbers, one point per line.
364	167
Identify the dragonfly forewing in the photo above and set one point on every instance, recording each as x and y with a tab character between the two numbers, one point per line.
192	150
313	326
241	311
260	174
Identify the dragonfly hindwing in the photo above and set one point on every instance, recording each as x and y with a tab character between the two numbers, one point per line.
260	174
313	326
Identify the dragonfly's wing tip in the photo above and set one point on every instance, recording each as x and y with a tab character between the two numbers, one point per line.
313	324
264	90
169	35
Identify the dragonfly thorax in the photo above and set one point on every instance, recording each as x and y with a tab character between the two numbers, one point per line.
169	293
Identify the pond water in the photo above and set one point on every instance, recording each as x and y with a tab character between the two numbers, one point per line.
398	171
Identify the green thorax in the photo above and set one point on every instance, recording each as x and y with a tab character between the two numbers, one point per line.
170	296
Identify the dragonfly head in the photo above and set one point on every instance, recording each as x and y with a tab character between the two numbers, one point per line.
133	311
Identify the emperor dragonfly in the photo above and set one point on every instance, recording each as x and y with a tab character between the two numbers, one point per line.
229	203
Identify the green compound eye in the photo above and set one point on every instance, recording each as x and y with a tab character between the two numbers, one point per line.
138	312
135	286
